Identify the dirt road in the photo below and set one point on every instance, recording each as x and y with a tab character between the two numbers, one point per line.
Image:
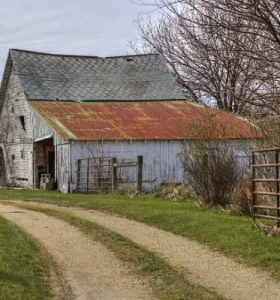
90	270
201	265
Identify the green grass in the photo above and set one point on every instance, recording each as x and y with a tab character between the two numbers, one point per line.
231	235
166	282
23	268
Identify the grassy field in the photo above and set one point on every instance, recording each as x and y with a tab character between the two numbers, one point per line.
22	266
232	235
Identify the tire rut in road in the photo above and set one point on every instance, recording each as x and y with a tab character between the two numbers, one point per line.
202	265
90	269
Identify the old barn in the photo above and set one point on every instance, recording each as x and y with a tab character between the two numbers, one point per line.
59	109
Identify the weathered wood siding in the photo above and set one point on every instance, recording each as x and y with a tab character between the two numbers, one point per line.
161	161
17	141
41	130
63	169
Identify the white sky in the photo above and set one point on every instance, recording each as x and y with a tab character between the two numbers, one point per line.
89	27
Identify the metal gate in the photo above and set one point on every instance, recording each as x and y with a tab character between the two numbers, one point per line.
104	174
94	175
266	184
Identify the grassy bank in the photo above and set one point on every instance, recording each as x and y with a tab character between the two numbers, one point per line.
22	266
232	235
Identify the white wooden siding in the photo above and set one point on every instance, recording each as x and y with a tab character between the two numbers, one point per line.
16	138
42	129
161	161
19	142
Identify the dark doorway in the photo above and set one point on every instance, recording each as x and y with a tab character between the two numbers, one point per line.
44	160
2	168
40	170
51	163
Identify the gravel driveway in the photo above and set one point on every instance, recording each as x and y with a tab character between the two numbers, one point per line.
201	265
89	269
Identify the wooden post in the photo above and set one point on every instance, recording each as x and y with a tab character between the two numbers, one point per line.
114	174
139	173
87	174
277	176
79	176
253	186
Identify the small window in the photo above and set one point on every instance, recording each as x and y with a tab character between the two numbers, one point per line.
13	157
13	110
22	154
22	121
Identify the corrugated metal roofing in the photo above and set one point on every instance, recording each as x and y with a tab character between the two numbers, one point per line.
85	78
161	120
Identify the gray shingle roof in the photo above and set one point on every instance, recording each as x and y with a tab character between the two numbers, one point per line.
83	78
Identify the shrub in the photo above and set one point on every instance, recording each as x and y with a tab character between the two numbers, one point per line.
241	200
213	171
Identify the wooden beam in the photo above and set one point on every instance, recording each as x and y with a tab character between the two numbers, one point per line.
139	173
114	173
277	177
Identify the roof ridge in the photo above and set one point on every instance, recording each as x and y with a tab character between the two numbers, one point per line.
54	54
133	55
82	56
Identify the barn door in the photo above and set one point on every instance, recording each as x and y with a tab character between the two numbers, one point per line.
2	168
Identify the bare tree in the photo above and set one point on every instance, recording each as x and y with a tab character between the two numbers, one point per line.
212	60
271	131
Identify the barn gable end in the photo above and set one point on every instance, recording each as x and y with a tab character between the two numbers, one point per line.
16	129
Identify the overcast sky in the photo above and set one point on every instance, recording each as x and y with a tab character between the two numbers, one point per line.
89	27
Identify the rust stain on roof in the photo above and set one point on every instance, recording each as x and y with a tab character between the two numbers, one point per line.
159	120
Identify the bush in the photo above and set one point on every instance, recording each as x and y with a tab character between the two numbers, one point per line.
241	201
212	170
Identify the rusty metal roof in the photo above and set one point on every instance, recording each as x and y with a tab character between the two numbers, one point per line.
160	120
90	78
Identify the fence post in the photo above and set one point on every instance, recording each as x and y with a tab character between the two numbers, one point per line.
139	173
87	174
79	175
114	173
253	186
277	169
